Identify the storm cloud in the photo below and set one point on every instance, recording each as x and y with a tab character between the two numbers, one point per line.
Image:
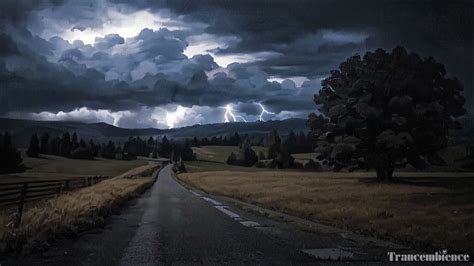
175	63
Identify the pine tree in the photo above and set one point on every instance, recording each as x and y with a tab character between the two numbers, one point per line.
44	148
10	158
34	147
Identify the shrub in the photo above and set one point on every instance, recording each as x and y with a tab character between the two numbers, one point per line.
312	166
260	164
82	153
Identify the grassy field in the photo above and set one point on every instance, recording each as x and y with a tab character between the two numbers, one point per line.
200	166
221	153
424	210
304	157
56	167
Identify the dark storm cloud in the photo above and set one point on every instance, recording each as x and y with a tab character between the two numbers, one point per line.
16	11
300	38
70	83
443	29
7	45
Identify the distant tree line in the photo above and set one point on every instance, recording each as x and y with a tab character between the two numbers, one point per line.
294	143
232	140
75	148
10	157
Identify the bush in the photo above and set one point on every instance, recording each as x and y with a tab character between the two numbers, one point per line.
298	165
232	158
283	160
82	154
260	164
312	166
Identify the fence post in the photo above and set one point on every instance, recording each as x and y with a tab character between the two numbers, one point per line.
21	204
67	185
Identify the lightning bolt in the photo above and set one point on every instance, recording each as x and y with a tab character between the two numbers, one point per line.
264	111
230	112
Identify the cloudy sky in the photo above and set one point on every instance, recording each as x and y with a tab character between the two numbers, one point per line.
183	62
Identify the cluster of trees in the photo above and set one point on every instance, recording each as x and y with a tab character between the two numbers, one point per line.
233	140
385	110
294	143
10	157
182	152
245	157
72	147
66	146
279	152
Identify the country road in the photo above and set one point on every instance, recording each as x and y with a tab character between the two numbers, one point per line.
171	225
182	227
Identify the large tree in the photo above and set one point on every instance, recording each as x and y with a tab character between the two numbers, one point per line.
386	109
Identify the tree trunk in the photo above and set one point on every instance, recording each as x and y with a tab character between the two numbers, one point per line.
385	173
389	172
381	174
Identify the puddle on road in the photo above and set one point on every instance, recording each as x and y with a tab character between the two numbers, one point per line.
329	253
250	224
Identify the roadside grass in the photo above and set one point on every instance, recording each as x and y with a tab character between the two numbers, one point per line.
427	211
221	153
72	212
57	167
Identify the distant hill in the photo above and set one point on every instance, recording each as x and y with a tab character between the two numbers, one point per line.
21	130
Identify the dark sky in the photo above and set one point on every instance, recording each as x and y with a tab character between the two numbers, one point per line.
175	63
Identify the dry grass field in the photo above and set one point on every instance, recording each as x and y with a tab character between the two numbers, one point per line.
424	210
305	157
200	166
221	153
56	167
70	212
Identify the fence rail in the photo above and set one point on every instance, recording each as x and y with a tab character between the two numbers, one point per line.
19	193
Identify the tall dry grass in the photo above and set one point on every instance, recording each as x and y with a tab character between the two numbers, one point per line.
70	213
427	213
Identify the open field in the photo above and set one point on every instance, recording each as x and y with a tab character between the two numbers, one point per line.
200	166
304	157
424	210
221	153
57	167
71	212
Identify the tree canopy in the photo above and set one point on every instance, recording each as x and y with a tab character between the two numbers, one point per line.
386	109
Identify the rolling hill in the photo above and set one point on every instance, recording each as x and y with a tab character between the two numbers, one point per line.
21	130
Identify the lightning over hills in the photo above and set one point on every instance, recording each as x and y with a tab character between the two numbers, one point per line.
230	112
264	111
230	116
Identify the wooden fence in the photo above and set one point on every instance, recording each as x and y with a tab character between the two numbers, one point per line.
20	193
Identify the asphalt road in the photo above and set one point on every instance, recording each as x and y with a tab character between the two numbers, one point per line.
181	227
172	225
